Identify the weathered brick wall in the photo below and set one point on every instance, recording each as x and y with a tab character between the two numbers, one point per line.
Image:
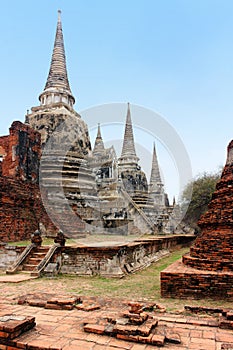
21	152
20	200
203	263
4	145
21	210
117	261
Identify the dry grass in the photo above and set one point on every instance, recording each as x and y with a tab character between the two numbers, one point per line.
144	285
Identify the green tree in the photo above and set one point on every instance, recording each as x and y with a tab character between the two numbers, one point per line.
202	188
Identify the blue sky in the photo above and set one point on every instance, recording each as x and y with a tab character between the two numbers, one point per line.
172	56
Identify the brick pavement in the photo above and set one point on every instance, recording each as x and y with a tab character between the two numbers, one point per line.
17	278
63	329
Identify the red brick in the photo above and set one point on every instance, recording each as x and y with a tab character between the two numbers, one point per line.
158	340
94	328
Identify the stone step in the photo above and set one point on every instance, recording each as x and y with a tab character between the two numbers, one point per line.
34	261
42	248
41	251
29	267
38	255
24	272
35	273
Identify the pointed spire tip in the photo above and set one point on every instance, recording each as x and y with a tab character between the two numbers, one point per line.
99	132
155	172
59	15
58	77
99	144
128	148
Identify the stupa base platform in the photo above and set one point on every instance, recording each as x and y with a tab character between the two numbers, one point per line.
181	281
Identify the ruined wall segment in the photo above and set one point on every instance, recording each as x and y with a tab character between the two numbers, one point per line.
20	153
21	210
20	201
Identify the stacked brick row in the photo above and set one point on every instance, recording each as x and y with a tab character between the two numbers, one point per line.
21	210
195	284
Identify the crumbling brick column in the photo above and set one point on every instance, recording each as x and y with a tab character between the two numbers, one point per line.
207	271
20	200
213	249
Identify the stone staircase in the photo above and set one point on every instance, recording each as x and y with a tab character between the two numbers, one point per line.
35	258
140	218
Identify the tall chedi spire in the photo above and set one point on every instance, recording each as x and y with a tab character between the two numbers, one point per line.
155	177
57	88
128	153
99	144
156	189
56	104
133	178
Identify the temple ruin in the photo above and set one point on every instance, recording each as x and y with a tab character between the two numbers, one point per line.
207	271
100	193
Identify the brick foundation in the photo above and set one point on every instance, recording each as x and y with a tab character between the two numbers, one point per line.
181	281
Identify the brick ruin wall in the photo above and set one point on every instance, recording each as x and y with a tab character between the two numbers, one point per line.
20	152
117	261
20	201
